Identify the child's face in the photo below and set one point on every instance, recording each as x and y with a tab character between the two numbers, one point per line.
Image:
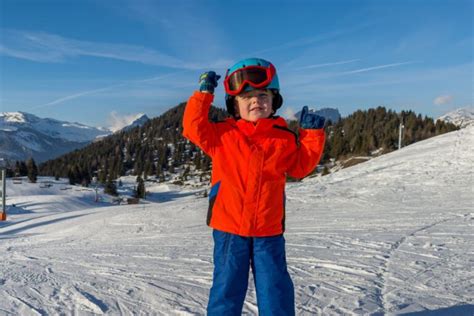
254	105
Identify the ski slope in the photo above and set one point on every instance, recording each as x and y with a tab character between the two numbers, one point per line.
393	235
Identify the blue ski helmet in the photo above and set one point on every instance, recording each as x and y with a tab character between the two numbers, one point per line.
252	74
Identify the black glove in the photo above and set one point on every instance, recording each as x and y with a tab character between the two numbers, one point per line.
208	81
310	120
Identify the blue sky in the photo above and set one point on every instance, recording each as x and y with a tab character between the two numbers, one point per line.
96	62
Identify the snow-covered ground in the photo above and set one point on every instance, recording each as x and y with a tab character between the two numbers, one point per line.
393	235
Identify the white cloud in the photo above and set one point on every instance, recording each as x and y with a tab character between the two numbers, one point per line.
443	99
117	121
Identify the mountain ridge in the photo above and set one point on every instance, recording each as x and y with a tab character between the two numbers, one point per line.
461	117
24	135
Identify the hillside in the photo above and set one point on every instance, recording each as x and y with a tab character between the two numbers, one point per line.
389	236
158	151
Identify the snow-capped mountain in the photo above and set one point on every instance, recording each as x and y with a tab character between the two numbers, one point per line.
24	135
74	132
462	117
138	120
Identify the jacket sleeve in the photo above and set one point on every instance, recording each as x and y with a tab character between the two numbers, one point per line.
308	153
196	125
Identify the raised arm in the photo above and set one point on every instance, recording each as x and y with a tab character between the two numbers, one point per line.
311	145
196	125
308	154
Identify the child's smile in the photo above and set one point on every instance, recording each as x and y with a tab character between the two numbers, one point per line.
254	105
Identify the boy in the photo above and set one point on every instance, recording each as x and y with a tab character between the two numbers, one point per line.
252	153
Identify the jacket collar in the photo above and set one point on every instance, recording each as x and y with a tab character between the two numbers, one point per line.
261	126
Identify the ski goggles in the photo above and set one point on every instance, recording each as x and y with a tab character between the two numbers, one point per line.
254	76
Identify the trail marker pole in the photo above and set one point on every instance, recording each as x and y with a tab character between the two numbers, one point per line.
3	216
400	134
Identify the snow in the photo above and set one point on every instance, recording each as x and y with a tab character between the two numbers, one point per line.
57	129
23	135
8	128
127	123
74	132
15	117
26	129
389	236
27	140
462	117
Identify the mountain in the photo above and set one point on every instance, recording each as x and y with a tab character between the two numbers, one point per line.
330	114
138	120
73	132
159	152
391	236
156	150
461	117
24	135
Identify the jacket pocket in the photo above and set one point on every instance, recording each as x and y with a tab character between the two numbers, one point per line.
212	200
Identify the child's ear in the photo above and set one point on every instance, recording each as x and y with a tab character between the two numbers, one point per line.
236	108
271	94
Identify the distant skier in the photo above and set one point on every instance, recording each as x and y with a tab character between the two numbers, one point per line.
252	153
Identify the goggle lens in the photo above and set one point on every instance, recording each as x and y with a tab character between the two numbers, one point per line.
252	75
256	76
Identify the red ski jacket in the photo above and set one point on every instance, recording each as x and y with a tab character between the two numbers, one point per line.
249	167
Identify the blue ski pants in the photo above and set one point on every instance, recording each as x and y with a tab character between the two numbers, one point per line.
233	257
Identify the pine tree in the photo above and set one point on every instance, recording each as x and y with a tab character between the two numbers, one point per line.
337	148
186	172
23	169
102	176
32	170
110	187
197	160
17	169
206	164
10	173
74	175
70	176
162	178
148	170
140	190
160	142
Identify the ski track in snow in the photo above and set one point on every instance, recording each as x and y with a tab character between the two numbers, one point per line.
390	236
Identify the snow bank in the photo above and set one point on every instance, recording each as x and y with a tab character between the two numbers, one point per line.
389	236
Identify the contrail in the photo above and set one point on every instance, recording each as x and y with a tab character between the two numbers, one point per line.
80	94
375	67
329	64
